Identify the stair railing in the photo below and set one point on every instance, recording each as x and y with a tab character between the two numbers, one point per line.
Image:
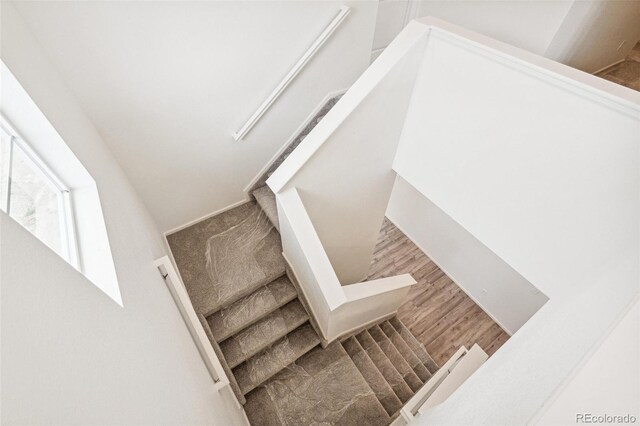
295	70
445	381
179	293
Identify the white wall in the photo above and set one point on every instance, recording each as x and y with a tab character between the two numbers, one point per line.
70	354
541	164
528	24
527	165
592	32
584	34
501	292
167	83
338	309
343	167
609	380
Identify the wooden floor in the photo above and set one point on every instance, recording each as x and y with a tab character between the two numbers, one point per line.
437	311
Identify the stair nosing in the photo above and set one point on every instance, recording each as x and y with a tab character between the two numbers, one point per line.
255	385
409	369
415	342
401	340
249	324
247	291
262	348
402	381
366	354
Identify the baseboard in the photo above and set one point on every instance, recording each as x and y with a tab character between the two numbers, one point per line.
289	141
207	216
505	329
608	66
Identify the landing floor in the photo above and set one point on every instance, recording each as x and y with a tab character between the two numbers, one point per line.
436	311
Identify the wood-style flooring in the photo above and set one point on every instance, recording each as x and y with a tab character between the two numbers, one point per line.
436	311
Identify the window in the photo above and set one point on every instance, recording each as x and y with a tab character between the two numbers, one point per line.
33	196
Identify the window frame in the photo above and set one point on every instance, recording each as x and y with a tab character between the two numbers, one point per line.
69	244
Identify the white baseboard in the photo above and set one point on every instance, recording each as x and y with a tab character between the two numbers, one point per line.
505	329
292	138
608	66
207	216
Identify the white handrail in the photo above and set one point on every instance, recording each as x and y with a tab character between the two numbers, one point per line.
180	296
313	49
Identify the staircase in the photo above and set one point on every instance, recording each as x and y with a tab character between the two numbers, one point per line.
271	352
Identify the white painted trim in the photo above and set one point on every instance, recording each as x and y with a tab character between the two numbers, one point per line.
595	89
421	396
459	373
181	298
505	329
608	66
376	53
306	296
366	289
357	93
310	53
584	84
411	11
208	215
293	136
364	326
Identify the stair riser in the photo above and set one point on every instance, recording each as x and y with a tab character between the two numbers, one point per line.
275	337
246	292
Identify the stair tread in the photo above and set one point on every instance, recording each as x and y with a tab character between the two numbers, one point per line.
415	345
396	359
261	367
246	311
322	387
372	376
406	352
384	366
267	201
242	346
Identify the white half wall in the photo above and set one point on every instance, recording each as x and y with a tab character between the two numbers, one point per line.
541	164
342	169
518	154
501	292
584	34
529	24
70	354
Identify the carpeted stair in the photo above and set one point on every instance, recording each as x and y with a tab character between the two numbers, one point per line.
265	340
